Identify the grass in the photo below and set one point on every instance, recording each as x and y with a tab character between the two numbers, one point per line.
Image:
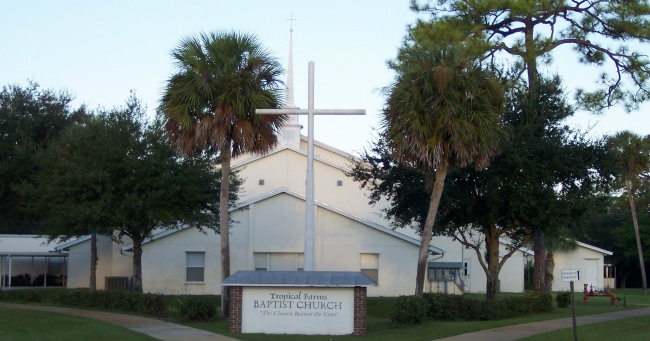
380	327
20	324
633	329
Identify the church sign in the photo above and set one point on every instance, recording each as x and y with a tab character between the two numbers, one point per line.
316	311
298	302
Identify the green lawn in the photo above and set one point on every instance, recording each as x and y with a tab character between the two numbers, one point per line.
634	329
27	325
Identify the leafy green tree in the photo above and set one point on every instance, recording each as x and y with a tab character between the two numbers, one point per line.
529	31
30	118
209	106
546	176
633	155
610	229
118	174
442	111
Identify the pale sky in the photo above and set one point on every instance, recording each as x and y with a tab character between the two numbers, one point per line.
100	50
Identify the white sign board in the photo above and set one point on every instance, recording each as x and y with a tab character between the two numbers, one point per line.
310	311
570	275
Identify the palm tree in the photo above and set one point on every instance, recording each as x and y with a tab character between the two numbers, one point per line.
633	155
442	111
209	106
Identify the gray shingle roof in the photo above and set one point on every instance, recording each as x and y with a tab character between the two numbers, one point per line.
299	279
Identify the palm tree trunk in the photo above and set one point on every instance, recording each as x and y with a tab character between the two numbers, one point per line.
549	267
224	194
427	230
630	196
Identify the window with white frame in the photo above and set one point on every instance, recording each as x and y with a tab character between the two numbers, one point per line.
194	266
369	264
279	261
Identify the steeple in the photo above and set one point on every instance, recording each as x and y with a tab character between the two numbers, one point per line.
290	133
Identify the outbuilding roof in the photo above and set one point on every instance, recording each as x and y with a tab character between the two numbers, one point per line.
445	265
299	279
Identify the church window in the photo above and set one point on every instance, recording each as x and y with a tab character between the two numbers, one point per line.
195	266
279	261
370	265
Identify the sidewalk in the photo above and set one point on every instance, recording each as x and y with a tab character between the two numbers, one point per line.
519	331
155	328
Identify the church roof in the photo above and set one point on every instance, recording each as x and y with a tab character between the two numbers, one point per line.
299	279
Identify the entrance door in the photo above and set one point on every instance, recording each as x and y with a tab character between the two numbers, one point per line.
591	273
465	274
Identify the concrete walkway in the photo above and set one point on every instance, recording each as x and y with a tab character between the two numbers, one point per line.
174	332
520	331
155	328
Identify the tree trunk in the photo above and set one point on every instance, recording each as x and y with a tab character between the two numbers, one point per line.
623	280
224	232
137	266
549	267
530	58
427	230
93	260
630	196
492	286
540	262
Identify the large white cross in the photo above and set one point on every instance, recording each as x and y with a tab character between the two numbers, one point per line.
310	218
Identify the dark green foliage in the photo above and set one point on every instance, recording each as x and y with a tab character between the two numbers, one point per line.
443	307
451	307
21	296
409	309
149	304
118	173
30	119
563	299
407	188
197	308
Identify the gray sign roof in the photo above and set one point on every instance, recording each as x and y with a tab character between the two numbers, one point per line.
299	279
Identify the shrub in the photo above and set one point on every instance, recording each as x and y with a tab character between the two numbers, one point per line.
442	306
23	296
563	299
409	309
538	302
152	304
196	308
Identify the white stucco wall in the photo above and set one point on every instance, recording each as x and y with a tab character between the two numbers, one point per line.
511	276
110	262
25	243
287	168
78	266
277	225
588	261
164	263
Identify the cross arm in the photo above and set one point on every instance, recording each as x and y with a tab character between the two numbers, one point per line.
306	112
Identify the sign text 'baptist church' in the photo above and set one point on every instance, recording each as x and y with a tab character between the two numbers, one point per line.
301	310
